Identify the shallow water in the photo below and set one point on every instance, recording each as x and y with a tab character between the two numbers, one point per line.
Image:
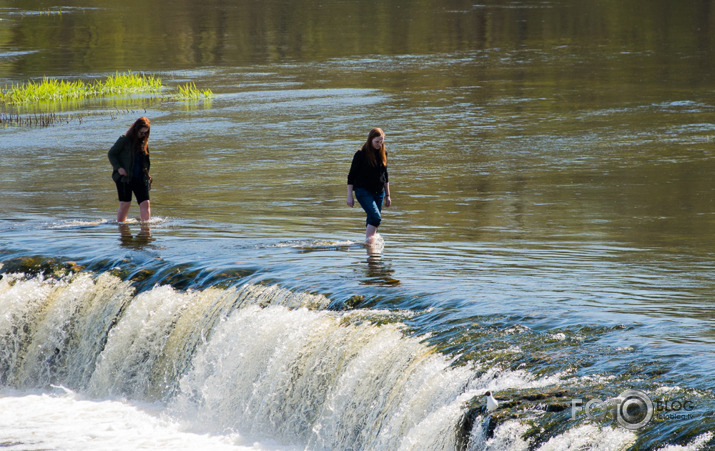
551	171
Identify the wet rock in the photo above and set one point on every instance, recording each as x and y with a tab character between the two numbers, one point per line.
515	405
354	301
37	265
74	266
142	275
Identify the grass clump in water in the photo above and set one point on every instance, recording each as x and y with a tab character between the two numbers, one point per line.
53	90
190	92
45	91
129	83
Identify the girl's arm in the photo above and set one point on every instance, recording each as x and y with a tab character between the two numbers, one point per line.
350	200
388	201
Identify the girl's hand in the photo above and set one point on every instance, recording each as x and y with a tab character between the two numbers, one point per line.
350	201
388	201
122	172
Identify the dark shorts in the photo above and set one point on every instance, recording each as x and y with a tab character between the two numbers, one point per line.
138	187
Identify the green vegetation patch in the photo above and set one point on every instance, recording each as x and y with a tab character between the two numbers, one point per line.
53	90
191	92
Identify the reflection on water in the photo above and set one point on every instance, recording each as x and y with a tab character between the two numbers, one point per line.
139	241
378	270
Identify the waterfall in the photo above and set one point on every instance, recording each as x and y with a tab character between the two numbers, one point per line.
328	379
257	359
52	331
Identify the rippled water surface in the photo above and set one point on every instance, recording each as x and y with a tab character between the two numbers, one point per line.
551	168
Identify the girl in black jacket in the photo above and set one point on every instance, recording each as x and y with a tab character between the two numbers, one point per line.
369	180
129	157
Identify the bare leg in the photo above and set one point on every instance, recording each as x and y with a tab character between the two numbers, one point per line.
145	210
123	211
370	233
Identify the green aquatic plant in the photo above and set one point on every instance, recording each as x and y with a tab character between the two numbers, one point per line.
128	83
44	91
54	90
50	90
190	92
42	100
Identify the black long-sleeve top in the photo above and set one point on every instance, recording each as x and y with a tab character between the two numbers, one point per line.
362	175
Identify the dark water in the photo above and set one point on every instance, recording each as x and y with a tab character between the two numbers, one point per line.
551	170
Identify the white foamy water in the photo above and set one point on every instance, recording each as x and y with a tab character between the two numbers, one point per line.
252	367
63	420
326	379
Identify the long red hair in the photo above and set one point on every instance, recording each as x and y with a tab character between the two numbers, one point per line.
141	144
374	155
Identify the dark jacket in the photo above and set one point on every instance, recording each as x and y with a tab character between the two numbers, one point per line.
121	155
362	175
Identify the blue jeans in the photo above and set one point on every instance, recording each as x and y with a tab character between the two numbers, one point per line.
372	204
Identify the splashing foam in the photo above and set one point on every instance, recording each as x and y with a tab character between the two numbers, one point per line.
311	378
700	442
592	438
258	361
66	421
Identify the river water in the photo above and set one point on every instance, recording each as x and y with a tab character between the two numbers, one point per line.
550	240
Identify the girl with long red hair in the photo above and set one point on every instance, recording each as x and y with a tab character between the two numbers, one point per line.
369	180
129	157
